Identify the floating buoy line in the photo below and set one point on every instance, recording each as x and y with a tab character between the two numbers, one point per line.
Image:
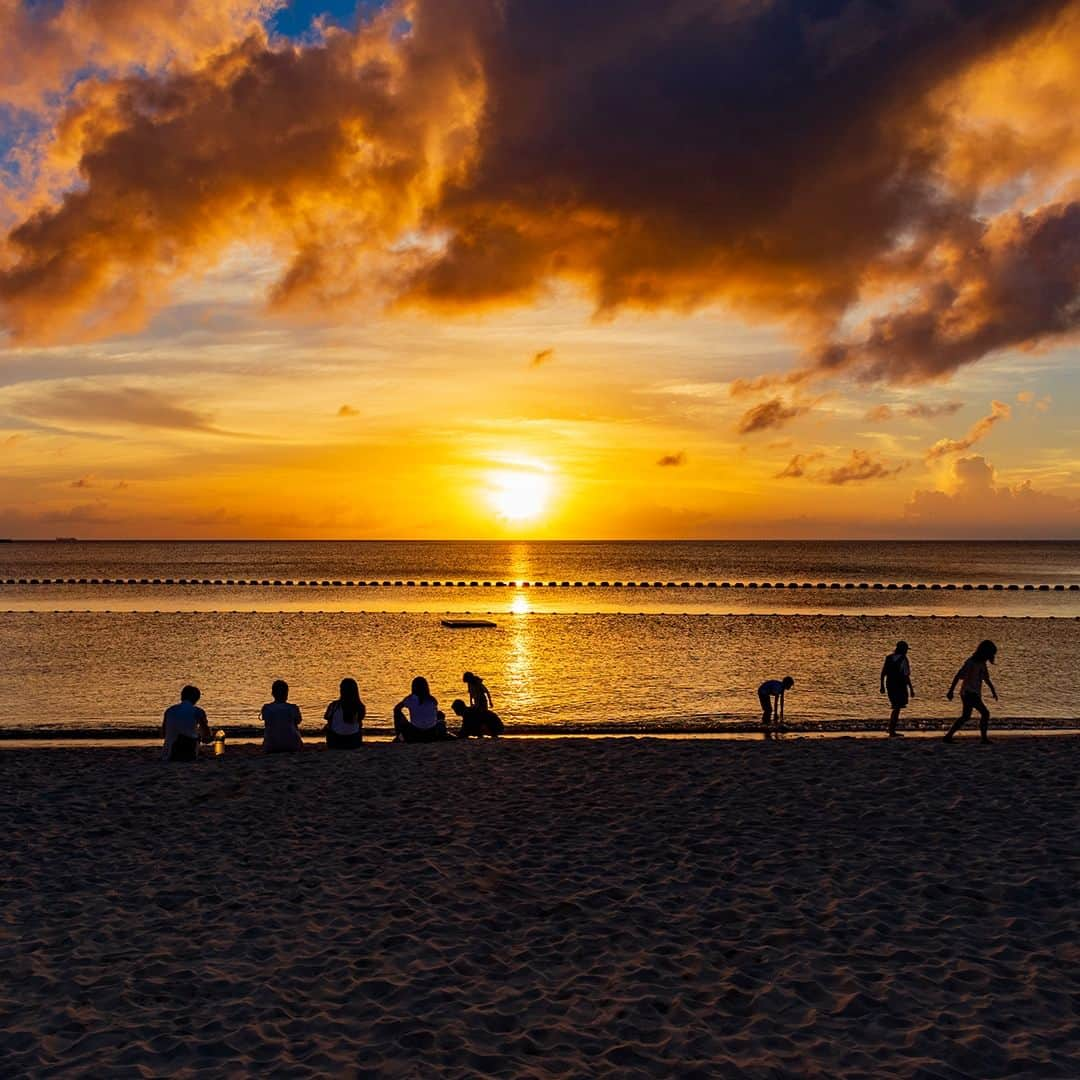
401	584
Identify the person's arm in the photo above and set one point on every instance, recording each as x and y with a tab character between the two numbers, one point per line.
399	709
165	724
361	713
298	719
956	678
884	668
204	727
779	715
986	679
490	699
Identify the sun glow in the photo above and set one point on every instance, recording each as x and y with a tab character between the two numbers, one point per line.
519	494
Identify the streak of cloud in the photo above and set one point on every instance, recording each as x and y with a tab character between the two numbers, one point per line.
768	415
544	356
979	430
668	461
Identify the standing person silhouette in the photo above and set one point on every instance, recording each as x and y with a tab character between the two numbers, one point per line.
771	695
971	676
479	694
896	682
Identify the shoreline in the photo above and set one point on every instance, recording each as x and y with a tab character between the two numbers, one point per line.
740	729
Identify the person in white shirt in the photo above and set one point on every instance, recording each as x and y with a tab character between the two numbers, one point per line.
425	723
183	725
281	720
345	718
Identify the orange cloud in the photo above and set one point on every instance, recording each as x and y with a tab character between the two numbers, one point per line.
979	430
978	502
797	162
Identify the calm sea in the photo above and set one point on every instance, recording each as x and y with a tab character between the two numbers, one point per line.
675	637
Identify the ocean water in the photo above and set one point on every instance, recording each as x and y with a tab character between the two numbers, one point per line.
647	658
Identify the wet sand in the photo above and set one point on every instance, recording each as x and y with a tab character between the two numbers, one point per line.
616	907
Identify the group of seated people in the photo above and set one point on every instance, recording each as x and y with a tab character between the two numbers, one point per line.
417	719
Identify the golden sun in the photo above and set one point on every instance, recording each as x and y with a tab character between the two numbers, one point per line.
517	494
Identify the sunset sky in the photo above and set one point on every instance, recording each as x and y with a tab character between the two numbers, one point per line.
483	268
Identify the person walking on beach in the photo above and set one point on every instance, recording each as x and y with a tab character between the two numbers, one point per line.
424	723
345	718
896	682
771	695
971	677
476	721
479	694
281	721
183	725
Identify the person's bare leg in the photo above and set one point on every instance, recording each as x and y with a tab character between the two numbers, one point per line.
965	715
894	719
984	724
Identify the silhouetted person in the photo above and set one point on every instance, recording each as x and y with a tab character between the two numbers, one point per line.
477	721
771	695
896	682
479	694
183	725
345	718
971	677
425	723
281	721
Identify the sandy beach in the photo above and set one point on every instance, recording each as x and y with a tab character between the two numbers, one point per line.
545	908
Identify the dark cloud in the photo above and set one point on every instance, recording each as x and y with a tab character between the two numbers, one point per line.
917	411
347	410
671	460
781	157
859	467
769	414
119	405
979	430
542	357
1015	283
796	468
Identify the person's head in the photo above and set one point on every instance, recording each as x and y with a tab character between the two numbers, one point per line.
901	647
190	693
420	688
349	698
469	677
458	706
986	651
788	682
280	690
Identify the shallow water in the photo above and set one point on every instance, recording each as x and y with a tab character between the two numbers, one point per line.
648	670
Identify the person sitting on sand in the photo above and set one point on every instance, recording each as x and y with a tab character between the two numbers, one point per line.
896	682
281	720
345	718
479	694
771	695
476	721
183	725
971	677
425	723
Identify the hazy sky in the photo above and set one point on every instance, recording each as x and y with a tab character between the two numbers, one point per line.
474	268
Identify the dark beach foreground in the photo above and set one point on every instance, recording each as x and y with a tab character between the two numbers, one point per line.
620	907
